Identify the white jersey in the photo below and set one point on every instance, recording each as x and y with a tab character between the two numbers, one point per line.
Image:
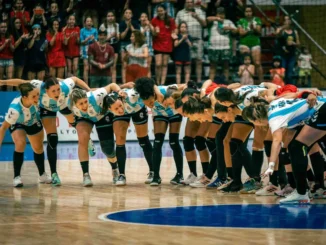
132	103
290	113
248	91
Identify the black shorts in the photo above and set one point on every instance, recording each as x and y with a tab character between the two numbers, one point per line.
103	127
217	121
172	119
318	119
30	130
138	118
160	52
239	119
46	113
116	47
36	68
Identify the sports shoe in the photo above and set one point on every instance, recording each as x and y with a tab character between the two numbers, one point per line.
87	182
226	183
317	192
55	180
18	182
249	187
45	179
296	198
231	188
287	190
115	175
216	183
121	180
156	181
91	148
190	179
268	190
150	177
177	179
200	183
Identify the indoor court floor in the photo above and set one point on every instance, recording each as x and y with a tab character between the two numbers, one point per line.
140	214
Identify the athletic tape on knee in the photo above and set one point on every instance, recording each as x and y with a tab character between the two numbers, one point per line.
52	140
200	143
107	147
268	147
188	143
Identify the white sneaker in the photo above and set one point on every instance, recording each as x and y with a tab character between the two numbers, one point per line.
115	175
287	190
268	190
226	184
296	198
200	183
91	148
150	177
18	182
87	182
319	194
190	179
45	179
122	180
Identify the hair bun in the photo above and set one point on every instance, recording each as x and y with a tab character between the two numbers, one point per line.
192	84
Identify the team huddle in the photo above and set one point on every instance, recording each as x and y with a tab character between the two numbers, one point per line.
288	126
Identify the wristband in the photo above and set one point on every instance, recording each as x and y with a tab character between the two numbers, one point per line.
271	165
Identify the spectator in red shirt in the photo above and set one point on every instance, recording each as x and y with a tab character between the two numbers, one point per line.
6	51
101	58
55	57
20	13
71	41
164	33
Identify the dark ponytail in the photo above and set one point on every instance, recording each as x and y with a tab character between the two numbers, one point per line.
25	89
108	101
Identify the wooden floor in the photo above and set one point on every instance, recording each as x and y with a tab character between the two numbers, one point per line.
41	214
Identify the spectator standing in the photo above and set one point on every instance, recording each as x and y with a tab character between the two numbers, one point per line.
168	4
289	41
7	47
181	53
36	49
126	27
219	42
247	71
277	72
305	62
55	14
88	35
101	58
20	38
113	37
71	35
39	18
250	30
196	21
147	29
55	56
164	31
20	13
137	53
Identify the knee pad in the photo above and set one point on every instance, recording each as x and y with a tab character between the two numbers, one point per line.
200	143
107	147
297	151
145	143
284	157
158	141
52	140
188	143
236	146
268	147
174	141
210	142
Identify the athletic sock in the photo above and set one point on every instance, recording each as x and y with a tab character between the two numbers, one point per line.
39	160
121	157
273	178
52	158
114	165
18	162
257	162
192	167
291	180
230	172
204	165
310	175
84	166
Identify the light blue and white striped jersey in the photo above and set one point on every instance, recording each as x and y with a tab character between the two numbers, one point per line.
55	105
95	103
20	114
132	103
290	113
251	90
159	109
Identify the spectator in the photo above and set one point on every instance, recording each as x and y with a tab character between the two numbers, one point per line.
55	14
289	41
126	27
20	38
113	37
181	52
88	35
36	49
101	58
247	71
20	13
250	30
6	52
202	4
71	34
39	18
164	30
277	73
196	20
55	56
168	4
147	29
137	53
234	9
305	62
3	13
219	48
